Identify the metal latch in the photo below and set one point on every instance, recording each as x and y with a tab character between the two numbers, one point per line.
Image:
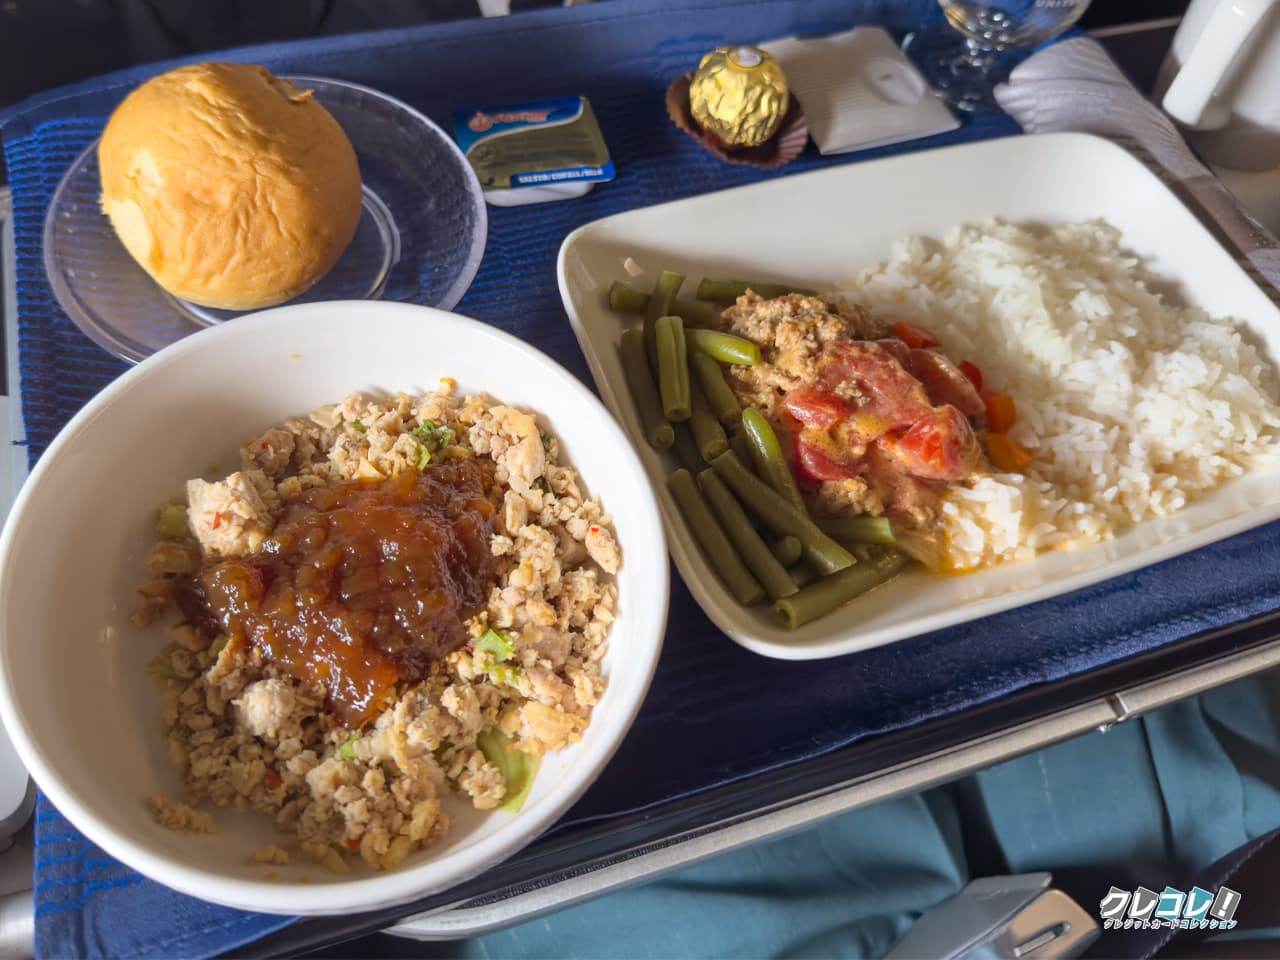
1001	917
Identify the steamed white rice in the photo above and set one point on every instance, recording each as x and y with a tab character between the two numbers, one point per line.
1129	406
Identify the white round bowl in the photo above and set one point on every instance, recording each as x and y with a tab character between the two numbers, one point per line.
73	692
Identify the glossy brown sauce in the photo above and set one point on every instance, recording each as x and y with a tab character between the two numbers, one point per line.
361	584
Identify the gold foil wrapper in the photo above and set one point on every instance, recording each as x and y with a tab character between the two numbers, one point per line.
779	150
739	95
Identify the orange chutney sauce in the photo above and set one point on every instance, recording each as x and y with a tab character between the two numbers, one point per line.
362	584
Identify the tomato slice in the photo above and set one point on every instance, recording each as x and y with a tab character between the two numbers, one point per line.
818	465
939	446
913	335
1001	411
971	371
896	349
945	382
815	407
888	397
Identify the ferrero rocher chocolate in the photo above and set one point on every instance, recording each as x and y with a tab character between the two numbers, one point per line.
739	94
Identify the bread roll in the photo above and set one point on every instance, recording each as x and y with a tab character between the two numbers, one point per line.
231	187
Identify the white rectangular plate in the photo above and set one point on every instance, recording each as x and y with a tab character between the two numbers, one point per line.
819	229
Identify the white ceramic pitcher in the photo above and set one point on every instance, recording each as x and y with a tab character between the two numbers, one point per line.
1221	80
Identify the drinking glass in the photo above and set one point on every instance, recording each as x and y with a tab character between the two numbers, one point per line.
964	59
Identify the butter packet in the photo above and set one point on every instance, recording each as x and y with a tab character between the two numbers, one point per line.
530	152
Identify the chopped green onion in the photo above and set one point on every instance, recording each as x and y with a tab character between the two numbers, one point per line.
424	457
542	484
431	432
518	768
159	669
172	522
348	750
219	643
503	673
360	427
495	642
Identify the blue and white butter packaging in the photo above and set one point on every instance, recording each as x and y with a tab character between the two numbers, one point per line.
532	152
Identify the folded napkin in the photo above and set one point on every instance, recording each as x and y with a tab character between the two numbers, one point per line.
1075	85
859	90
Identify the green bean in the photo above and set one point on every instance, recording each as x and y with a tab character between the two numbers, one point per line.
766	454
865	552
720	396
697	313
780	516
665	289
803	574
730	290
753	551
787	550
624	298
719	551
823	596
740	445
686	450
659	305
657	430
724	347
673	369
858	529
707	432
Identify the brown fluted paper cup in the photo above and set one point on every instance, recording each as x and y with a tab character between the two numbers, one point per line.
783	147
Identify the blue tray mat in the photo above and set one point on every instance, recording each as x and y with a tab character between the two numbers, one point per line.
715	714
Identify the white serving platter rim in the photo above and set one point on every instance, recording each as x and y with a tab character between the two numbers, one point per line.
819	228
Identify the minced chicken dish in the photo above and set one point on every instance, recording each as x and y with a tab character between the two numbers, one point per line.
389	602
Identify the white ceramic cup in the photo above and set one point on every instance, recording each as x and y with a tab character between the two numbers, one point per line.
1221	80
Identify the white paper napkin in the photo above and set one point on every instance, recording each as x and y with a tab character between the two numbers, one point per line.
1074	85
858	90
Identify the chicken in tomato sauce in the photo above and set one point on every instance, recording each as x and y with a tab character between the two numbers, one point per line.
876	420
